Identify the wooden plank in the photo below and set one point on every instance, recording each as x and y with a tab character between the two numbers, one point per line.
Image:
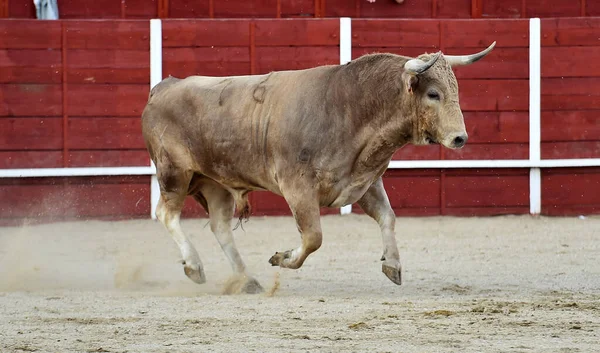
411	152
570	125
30	66
29	34
108	75
592	8
105	133
293	58
406	211
244	8
489	151
108	100
30	159
481	33
570	210
207	68
123	34
30	133
570	61
111	158
108	58
502	63
30	99
183	62
267	203
141	9
491	95
409	9
21	9
497	127
413	192
298	8
487	191
298	32
571	32
571	149
573	189
94	198
108	66
338	8
396	33
203	33
559	8
453	8
89	9
188	9
570	93
502	8
485	211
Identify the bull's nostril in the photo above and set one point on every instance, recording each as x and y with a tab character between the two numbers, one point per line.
460	141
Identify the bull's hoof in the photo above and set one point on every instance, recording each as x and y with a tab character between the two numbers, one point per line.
195	273
393	273
252	287
242	283
279	257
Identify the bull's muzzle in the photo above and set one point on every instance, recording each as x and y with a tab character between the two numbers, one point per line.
459	141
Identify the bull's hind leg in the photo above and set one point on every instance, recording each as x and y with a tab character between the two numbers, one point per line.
174	184
306	211
220	206
375	203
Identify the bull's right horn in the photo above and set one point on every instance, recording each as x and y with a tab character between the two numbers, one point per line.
418	66
459	60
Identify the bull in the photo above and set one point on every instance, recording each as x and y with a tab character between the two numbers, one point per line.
319	137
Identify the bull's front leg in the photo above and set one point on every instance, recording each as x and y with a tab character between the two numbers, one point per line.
376	204
306	211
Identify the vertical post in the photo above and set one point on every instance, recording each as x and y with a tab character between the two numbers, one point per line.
345	57
155	78
65	95
535	179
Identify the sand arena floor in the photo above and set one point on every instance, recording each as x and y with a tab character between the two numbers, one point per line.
501	284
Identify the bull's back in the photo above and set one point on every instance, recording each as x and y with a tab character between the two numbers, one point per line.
232	128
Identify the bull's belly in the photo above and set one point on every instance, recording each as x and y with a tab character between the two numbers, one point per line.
350	195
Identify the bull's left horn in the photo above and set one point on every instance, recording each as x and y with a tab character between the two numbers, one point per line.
418	66
459	60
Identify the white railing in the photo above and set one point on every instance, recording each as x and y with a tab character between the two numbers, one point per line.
534	163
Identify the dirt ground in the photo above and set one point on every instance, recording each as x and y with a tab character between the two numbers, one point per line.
501	284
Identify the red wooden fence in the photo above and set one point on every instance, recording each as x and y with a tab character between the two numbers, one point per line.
71	94
133	9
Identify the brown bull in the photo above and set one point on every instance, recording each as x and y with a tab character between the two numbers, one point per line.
320	137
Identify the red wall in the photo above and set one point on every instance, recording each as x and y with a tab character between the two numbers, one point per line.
86	9
71	94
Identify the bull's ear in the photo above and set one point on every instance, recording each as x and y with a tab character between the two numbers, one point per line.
410	81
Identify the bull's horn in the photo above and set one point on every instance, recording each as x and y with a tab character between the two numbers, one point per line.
418	66
459	60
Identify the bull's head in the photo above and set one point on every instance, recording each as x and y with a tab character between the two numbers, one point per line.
434	92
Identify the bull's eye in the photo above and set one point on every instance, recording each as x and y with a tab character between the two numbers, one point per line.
433	95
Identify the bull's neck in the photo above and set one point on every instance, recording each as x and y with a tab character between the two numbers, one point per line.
380	106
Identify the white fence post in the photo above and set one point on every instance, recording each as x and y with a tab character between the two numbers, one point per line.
345	57
155	78
535	179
